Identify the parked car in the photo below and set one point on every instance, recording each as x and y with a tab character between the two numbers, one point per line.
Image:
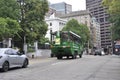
99	52
10	58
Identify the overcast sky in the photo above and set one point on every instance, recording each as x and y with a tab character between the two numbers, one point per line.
76	4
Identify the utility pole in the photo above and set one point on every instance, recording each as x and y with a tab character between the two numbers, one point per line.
51	35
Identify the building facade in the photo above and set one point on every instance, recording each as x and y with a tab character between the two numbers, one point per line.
82	17
62	7
54	24
96	33
96	9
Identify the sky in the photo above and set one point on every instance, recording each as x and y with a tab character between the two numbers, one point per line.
76	4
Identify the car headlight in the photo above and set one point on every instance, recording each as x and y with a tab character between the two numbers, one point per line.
116	50
0	57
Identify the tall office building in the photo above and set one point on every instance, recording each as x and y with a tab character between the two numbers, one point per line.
99	12
62	7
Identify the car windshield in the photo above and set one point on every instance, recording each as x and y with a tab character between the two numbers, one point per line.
64	36
117	46
2	51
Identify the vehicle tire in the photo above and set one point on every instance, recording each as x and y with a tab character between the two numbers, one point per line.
59	57
67	57
25	64
80	55
95	54
5	66
74	56
51	55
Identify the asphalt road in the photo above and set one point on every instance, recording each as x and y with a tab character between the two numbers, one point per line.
87	68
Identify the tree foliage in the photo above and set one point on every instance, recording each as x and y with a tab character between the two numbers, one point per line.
9	15
25	14
32	21
8	27
113	6
80	29
114	10
9	8
115	27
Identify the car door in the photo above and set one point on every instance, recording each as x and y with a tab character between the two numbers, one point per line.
11	57
19	58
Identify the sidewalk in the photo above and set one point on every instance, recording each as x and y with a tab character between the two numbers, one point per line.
40	53
39	60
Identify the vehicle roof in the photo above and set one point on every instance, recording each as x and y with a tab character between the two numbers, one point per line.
2	50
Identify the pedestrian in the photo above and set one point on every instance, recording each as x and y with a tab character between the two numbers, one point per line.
33	55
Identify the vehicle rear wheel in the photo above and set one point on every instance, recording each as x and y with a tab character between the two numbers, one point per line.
51	55
59	57
25	64
5	66
80	55
67	57
74	56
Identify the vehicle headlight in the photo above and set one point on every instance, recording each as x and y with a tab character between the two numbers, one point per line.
116	50
0	57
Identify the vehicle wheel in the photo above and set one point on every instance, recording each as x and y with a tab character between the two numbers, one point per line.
5	67
74	56
51	55
25	64
59	57
67	57
80	55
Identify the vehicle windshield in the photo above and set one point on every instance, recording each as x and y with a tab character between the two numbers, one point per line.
64	37
117	46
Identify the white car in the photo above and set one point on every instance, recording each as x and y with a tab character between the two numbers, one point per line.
10	58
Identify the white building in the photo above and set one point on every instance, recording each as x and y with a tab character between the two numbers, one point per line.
82	17
96	33
54	24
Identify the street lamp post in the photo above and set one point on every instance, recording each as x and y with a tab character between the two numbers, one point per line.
51	35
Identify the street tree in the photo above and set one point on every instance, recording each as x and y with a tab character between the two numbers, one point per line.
9	8
9	16
114	11
8	28
113	6
32	20
80	29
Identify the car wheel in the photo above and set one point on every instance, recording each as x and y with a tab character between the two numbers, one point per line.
59	57
5	66
25	64
80	55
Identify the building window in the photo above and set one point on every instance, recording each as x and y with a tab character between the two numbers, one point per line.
50	24
101	19
60	23
106	18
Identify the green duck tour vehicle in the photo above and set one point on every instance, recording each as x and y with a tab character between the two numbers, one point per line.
66	43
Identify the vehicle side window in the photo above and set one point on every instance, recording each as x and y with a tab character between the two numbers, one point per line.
9	52
14	52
